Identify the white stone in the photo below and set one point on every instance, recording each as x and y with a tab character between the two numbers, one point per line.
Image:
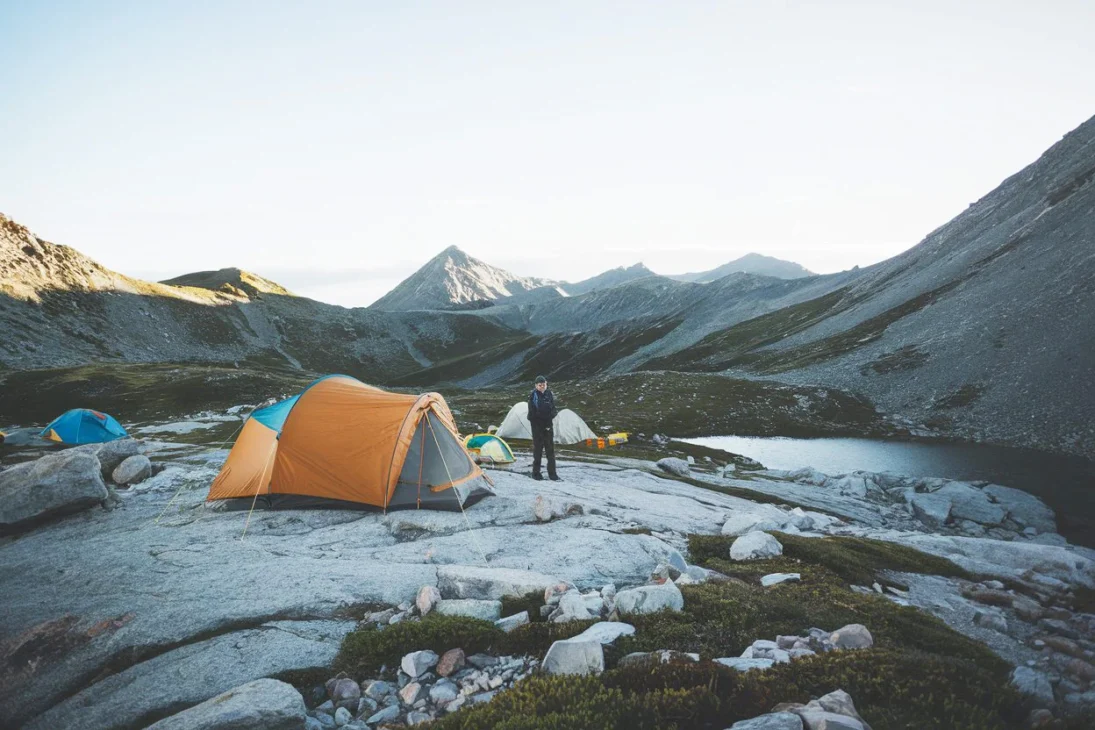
650	599
772	721
606	632
342	716
417	663
509	623
745	664
776	578
572	656
931	509
265	704
133	470
852	636
675	466
755	546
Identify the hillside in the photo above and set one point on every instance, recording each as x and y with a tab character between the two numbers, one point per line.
59	308
231	281
750	263
984	329
453	278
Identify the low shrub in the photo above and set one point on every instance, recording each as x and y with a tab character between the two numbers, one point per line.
530	602
891	690
366	651
855	559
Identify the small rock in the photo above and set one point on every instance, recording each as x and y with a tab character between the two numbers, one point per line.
755	546
745	664
428	597
991	620
450	662
740	523
342	690
606	632
772	721
443	692
776	578
650	599
1058	626
852	636
410	693
378	690
1033	684
342	716
675	466
134	470
1039	719
417	662
417	718
574	657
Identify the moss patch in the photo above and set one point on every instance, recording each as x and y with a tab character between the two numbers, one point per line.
366	651
856	560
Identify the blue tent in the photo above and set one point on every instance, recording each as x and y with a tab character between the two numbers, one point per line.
84	426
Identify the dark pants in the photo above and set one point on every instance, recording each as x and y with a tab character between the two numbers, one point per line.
543	437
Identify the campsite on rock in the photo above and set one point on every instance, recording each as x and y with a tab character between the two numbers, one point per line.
547	486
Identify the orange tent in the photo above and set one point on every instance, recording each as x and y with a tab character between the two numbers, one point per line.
347	445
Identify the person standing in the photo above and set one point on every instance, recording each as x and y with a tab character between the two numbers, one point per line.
541	413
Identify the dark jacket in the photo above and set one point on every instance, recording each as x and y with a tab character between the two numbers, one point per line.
541	407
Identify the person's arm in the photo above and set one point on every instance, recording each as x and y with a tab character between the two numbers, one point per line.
531	405
554	410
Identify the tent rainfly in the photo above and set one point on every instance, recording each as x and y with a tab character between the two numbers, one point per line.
568	426
83	426
490	448
346	445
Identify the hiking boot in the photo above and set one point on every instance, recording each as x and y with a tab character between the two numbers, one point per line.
555	478
537	477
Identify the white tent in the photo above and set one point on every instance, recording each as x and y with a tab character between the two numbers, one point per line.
568	426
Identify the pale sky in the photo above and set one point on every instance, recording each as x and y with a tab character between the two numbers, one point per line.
337	146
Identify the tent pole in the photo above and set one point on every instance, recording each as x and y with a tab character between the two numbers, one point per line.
448	474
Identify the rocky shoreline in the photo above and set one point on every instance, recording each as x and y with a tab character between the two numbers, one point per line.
158	585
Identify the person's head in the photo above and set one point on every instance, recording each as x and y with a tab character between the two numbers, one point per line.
541	383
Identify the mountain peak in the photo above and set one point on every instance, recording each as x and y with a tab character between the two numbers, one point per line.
750	263
452	277
230	281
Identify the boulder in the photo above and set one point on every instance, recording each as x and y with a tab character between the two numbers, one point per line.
649	599
416	663
970	503
466	581
755	546
265	704
852	636
740	523
1024	508
776	578
675	466
509	623
573	656
606	632
808	475
112	453
822	720
800	519
773	721
427	599
572	607
50	486
1034	684
450	662
849	485
931	509
133	470
484	610
839	702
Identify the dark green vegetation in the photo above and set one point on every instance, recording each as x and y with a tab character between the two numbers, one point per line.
688	404
920	673
904	358
137	392
964	396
